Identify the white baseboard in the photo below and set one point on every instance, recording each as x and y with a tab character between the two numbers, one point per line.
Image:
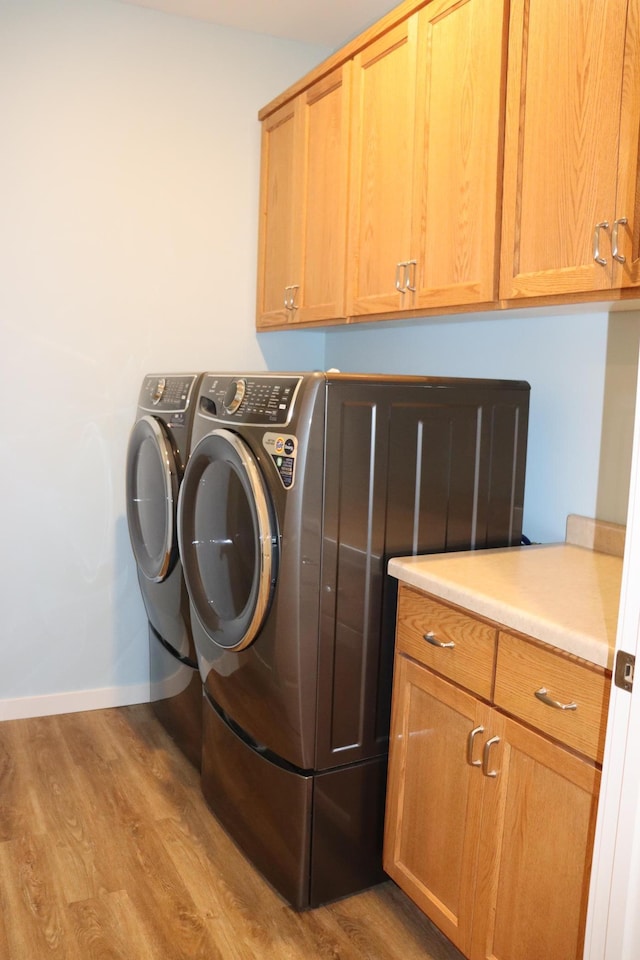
22	708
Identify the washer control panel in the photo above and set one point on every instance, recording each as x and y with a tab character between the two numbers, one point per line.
166	392
259	399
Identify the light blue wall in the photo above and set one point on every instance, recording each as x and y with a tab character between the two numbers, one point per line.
562	357
129	178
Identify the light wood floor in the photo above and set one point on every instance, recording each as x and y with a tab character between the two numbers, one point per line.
107	850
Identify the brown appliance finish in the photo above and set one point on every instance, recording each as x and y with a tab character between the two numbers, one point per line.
299	489
156	456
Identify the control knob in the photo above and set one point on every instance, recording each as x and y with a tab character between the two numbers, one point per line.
234	395
158	393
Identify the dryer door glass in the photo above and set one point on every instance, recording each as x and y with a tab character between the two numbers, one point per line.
227	539
152	491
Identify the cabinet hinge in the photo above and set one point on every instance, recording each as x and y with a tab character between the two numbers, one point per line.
625	667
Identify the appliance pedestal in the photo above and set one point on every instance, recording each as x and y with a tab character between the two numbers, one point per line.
176	698
315	837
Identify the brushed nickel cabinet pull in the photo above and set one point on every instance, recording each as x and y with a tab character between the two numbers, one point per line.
290	296
614	240
410	275
401	280
431	638
470	740
485	757
542	695
603	225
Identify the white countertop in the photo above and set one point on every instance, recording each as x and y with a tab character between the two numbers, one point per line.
561	594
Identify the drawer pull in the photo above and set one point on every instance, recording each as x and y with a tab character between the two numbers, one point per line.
433	640
470	739
485	757
542	694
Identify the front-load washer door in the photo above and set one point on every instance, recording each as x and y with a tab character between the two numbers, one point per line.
152	494
228	541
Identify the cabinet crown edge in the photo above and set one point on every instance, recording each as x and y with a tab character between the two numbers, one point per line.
346	52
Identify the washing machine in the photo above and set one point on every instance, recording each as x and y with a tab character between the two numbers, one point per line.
156	457
298	490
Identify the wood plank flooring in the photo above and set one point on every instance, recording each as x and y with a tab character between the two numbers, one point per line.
109	852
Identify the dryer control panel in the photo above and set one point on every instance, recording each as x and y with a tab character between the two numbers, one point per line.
166	392
257	399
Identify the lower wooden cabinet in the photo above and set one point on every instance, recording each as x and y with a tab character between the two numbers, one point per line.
535	901
435	797
489	825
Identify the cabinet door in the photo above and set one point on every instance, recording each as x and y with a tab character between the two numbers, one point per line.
435	797
627	271
320	240
383	122
277	214
532	901
561	145
461	66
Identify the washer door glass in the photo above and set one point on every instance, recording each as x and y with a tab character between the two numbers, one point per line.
152	494
228	543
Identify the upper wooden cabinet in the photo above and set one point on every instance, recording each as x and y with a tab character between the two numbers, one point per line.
628	198
303	205
276	249
425	160
383	126
571	148
458	153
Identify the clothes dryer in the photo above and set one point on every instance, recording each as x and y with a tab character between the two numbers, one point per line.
298	490
156	457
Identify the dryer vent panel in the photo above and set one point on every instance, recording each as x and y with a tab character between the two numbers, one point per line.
419	468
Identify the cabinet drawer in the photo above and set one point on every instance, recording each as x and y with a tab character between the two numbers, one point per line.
524	668
468	661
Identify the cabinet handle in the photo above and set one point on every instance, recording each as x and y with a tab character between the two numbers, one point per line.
485	757
290	296
470	739
401	281
542	694
410	275
614	240
603	225
433	640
